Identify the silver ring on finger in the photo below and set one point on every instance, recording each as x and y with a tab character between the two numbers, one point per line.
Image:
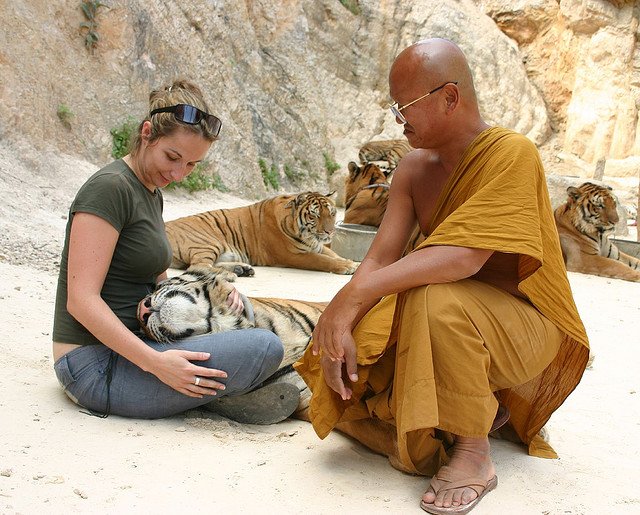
197	381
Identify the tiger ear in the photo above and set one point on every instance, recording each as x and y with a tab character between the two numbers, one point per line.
297	200
574	193
353	168
331	194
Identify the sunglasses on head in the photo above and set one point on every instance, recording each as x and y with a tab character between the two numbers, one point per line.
191	115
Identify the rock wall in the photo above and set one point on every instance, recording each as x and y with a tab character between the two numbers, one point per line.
294	80
584	57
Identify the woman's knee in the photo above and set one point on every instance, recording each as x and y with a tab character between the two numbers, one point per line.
257	358
267	343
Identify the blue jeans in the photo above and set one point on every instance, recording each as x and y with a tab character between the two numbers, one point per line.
248	356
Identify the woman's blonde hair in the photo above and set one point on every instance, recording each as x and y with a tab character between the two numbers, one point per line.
164	124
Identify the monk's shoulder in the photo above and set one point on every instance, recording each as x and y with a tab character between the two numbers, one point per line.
514	141
418	162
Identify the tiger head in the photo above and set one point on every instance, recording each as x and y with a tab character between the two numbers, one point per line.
593	208
369	175
187	305
314	216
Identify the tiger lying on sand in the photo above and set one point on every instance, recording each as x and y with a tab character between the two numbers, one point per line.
286	230
366	194
195	303
585	224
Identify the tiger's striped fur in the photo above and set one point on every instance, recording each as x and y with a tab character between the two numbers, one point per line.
194	303
366	194
287	230
389	150
585	225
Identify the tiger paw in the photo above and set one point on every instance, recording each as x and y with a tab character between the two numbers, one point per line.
349	267
244	270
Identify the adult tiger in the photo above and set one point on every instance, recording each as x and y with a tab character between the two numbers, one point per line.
366	194
194	303
585	224
287	230
389	150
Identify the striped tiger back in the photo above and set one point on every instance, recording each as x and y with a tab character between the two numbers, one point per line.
389	151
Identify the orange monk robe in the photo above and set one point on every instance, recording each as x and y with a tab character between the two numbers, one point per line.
496	199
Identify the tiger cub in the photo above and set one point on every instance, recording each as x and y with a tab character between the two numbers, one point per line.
194	303
366	194
287	230
389	150
585	224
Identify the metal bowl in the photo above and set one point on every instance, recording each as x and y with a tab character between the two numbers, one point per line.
352	241
630	247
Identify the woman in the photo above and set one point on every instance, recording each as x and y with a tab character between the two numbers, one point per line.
115	252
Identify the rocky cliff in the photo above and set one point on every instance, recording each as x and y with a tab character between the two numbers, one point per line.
295	80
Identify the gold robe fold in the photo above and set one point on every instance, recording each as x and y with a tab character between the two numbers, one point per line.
496	199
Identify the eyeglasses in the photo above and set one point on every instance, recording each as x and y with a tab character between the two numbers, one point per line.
396	109
191	115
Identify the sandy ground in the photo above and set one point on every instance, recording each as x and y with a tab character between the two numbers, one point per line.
55	459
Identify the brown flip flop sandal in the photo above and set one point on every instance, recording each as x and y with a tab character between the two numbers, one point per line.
443	482
502	417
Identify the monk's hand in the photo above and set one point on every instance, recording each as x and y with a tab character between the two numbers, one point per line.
332	371
333	330
336	370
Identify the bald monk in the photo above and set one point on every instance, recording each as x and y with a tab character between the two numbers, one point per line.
421	355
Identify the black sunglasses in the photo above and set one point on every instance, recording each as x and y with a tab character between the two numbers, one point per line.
191	115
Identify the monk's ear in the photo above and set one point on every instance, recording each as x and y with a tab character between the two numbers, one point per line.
451	96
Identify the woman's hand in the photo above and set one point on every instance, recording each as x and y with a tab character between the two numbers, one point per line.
234	301
174	368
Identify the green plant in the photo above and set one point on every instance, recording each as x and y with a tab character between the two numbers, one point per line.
352	5
64	115
330	164
199	180
269	175
291	173
90	27
121	138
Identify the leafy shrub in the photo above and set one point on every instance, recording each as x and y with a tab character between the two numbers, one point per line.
294	175
199	180
269	175
330	164
90	27
352	5
64	115
121	138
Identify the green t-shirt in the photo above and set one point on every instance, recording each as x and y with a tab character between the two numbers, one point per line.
142	251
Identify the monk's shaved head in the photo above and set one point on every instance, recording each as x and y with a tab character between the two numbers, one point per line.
430	63
432	86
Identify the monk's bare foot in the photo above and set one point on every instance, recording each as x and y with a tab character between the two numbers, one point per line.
470	459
